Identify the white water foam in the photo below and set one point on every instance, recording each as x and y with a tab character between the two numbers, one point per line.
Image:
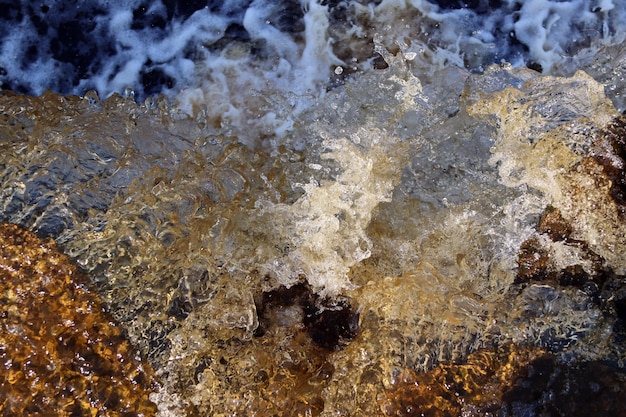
204	52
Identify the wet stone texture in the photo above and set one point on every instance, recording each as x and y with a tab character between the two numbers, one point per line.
614	161
508	381
446	390
60	354
549	388
592	277
536	263
282	369
329	325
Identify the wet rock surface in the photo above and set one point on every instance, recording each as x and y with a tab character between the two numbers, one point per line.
61	354
592	277
613	160
329	324
510	381
547	387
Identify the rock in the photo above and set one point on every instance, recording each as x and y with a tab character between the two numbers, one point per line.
533	261
554	225
549	387
613	160
509	381
60	353
449	389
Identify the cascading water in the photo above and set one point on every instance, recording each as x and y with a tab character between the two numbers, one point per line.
334	201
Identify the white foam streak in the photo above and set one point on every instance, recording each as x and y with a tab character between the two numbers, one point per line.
183	49
248	97
128	75
543	27
260	27
317	56
182	34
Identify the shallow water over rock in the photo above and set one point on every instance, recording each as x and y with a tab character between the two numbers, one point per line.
61	355
400	228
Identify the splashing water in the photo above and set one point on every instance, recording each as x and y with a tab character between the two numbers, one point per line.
365	157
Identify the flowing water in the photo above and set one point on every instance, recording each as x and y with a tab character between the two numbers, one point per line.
431	178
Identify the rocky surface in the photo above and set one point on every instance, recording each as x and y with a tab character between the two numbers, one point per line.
509	381
60	354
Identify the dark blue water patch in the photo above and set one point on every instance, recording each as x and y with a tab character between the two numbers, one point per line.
10	11
73	47
144	18
153	79
67	36
288	17
479	6
232	9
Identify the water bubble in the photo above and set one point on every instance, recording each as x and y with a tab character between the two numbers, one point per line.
129	92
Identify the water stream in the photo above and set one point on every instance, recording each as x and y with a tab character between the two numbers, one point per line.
348	193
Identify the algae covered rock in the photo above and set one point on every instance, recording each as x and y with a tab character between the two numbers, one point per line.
61	354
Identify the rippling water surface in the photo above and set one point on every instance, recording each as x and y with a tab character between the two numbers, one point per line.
304	206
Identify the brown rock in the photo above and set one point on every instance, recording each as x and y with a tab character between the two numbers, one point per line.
554	225
448	388
533	262
613	160
60	354
511	381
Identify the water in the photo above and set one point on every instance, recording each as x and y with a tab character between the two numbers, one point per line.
383	161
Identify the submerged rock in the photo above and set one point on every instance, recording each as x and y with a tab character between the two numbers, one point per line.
611	154
507	381
61	354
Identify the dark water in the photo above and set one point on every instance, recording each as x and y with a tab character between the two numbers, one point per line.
155	47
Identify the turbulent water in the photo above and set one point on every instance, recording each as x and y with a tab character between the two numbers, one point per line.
399	160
